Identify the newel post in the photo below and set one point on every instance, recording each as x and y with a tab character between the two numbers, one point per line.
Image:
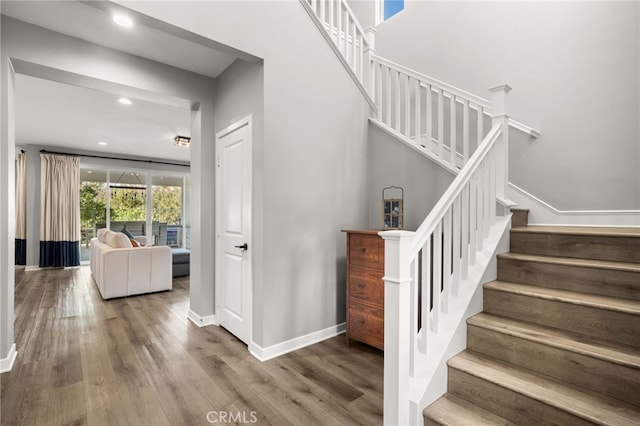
397	328
500	116
370	32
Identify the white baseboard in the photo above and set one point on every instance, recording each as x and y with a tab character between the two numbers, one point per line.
202	321
30	268
6	364
542	213
265	354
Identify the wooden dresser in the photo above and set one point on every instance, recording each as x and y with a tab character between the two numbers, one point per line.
365	288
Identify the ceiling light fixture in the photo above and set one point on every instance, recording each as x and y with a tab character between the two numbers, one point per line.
124	101
182	141
102	143
123	21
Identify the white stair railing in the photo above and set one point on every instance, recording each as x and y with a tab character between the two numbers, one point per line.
345	31
430	274
444	121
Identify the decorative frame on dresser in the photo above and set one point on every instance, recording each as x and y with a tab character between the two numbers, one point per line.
365	287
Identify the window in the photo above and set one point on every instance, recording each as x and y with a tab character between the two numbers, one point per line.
151	203
391	7
385	9
93	206
166	207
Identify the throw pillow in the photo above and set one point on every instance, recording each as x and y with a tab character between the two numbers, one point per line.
126	232
118	240
134	242
102	232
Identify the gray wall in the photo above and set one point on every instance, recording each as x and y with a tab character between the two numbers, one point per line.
7	204
240	92
365	12
314	165
574	70
393	163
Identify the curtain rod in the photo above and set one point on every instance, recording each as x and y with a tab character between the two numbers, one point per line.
44	151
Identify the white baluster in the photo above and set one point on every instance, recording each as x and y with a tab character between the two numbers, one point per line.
446	262
388	97
437	278
407	106
480	125
426	296
413	312
347	31
440	124
322	12
378	92
457	228
374	75
417	90
473	219
491	158
429	118
465	132
314	5
480	208
354	51
360	55
487	201
452	131
331	23
397	89
465	232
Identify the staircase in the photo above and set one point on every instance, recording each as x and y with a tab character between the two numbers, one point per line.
558	341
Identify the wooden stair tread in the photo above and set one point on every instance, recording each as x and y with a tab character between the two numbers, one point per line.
580	230
597	409
583	299
578	343
572	261
452	410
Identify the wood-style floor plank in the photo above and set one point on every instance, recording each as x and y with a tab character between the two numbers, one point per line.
139	361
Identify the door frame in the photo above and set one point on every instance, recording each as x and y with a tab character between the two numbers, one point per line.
219	252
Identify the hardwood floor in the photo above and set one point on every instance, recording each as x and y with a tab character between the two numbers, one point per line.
139	361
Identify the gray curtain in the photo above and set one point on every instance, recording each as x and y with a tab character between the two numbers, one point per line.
21	209
60	210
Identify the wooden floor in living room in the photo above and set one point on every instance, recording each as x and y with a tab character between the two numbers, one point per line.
140	361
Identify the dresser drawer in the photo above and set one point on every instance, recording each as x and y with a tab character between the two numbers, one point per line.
366	324
366	250
366	285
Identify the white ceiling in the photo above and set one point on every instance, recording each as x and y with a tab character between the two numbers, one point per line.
71	117
64	116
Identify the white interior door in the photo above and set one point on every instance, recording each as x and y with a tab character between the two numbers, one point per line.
233	229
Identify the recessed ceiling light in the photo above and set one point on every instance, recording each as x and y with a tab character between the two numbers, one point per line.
123	21
89	171
102	143
124	101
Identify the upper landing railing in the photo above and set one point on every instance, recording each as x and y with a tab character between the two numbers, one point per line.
345	35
